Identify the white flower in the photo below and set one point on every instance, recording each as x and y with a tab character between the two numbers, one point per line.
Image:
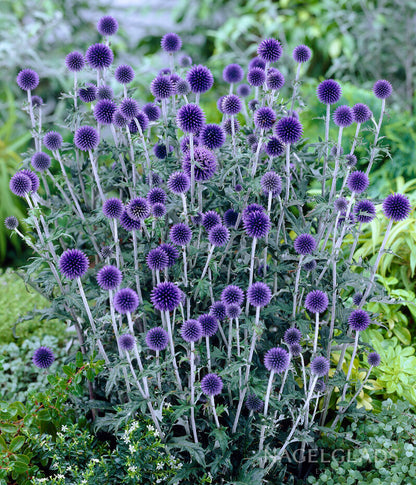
64	428
132	449
150	427
159	466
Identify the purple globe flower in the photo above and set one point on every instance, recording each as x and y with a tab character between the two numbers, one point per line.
356	299
275	80
343	116
88	94
119	120
107	25
124	74
125	301
254	403
171	42
40	161
75	61
105	92
264	118
37	101
160	151
171	252
11	223
396	207
257	62
257	224
182	87
157	196
86	138
218	310
359	320
364	211
316	301
52	141
329	92
301	53
126	342
141	120
252	208
259	294
305	244
109	277
231	104
185	61
341	204
351	160
73	264
320	366
373	359
228	126
310	265
185	143
179	183
34	179
382	89
20	184
233	73
43	357
190	118
212	136
334	151
243	90
157	259
159	210
232	295
138	208
200	79
157	339
276	360
104	111
252	139
238	188
166	296
230	217
320	386
209	325
106	252
152	111
271	182
211	385
161	87
292	336
289	130
99	56
127	223
197	219
129	108
219	235
269	50
252	104
233	311
205	164
358	182
180	234
256	77
27	79
361	113
295	350
219	104
274	147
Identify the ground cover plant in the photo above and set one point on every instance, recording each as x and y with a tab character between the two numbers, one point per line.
208	269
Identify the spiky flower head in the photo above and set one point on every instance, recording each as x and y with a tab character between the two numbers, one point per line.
156	195
274	147
127	223
171	252
356	299
138	208
129	108
190	118
359	320
305	244
212	136
277	360
105	92
358	181
373	359
269	50
157	339
218	310
104	111
211	385
34	179
253	104
320	386
257	62
382	89
252	208
86	138
109	277
316	301
243	90
126	342
205	164
99	56
295	350
200	79
125	301
257	224
264	118
152	111
43	357
231	104
254	403
75	61
365	211
157	259
37	101
40	161
27	79
351	160
256	77
320	366
106	252
185	60
161	87
292	336
396	207
343	116
361	113
233	311
259	294
88	94
289	130
11	223
107	25
53	140
73	263
271	182
228	127
171	42
230	217
310	265
219	235
233	73
329	92
124	74
341	204
180	234
232	295
179	183
302	53
182	87
166	296
209	325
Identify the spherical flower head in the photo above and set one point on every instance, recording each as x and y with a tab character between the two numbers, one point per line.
105	92
141	120
232	295
125	301
257	62
152	111
257	224
382	89
264	118
310	265
200	79
356	299
171	252
233	73
228	126
209	325
316	301
320	366
292	336
231	104
329	92
190	118
179	183
20	184
274	147
320	386
119	120
27	79
157	259
34	179
341	204
211	385
109	277
302	53
185	143
107	25
212	136
40	161
73	264
126	342
219	104
182	87
233	311
158	210
218	310
358	182
11	223
43	357
106	252
254	403
259	294
210	219
157	196
238	188
256	77
276	360
295	350
171	42
75	61
351	160
160	151
396	207
185	61
161	87
124	74
104	111
361	113
86	138
197	219
365	211
289	130
219	235
230	217
129	108
157	339
253	104
180	234
88	94
166	296
269	50
243	90
37	101
127	223
99	56
343	116
275	80
359	320
271	182
53	140
205	164
305	244
373	359
252	208
138	208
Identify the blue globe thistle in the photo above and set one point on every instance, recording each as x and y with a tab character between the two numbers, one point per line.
373	359
126	342
119	120
75	61
271	182
205	164
34	179
160	151
264	118
358	182
230	217
180	234
157	339
231	104
152	111
11	223
129	108
157	259
243	90
127	223
200	79
156	179
396	207
209	325
141	120
365	211
20	184
259	294
212	136
342	219
232	295
43	357
361	113
211	385
86	138
40	161
124	74
238	188
197	219
138	208
329	92
295	350
184	143
316	301
302	53
109	277
292	336
182	87
289	130
252	139
104	111
382	89
157	196
356	299
73	264
233	311
310	265
304	244
257	62
161	87
171	252
219	235
274	147
179	183
190	118
257	224
320	386
159	210
269	50
166	296
275	80
359	320
252	208
165	72
27	79
253	104
320	366
185	60
107	25
233	73
171	42
113	208
254	403
210	219
218	310
105	92
256	77
343	116
88	94
125	301
52	140
37	101
341	204
277	360
99	56
334	151
351	160
106	252
228	126
219	104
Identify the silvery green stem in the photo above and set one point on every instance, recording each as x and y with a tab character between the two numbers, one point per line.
193	424
280	223
116	242
315	409
120	157
256	93
266	407
97	178
287	173
185	266
132	159
75	90
69	185
256	157
159	380
45	229
245	113
124	91
211	251
200	200
295	85
337	158
250	281
354	142
327	118
282	386
233	136
146	153
315	340
354	352
295	294
354	244
214	412
237	331
185	209
137	355
230	340
133	372
32	117
136	267
208	353
191	154
45	185
172	350
374	149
